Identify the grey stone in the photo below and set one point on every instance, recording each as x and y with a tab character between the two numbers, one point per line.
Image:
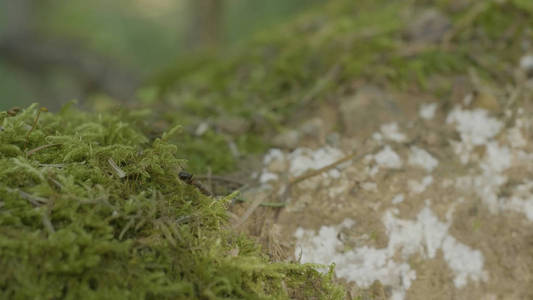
288	139
233	125
333	139
313	127
429	26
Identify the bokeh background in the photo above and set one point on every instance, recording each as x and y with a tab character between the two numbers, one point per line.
52	52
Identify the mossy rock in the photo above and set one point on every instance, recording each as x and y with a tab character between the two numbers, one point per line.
90	208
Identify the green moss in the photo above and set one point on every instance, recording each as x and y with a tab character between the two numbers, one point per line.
317	57
201	158
91	208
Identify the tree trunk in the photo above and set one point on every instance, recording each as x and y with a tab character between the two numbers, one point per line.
19	16
205	26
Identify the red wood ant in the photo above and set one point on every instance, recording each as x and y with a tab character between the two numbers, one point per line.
188	178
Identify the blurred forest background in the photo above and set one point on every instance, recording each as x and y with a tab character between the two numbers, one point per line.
54	51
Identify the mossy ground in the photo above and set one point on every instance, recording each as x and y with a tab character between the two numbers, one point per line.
72	227
324	55
91	208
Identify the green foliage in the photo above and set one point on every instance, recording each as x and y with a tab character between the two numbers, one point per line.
91	208
319	56
217	156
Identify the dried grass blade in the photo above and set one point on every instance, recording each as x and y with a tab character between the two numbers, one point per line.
116	168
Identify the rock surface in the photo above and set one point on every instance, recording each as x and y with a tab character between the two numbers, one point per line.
437	201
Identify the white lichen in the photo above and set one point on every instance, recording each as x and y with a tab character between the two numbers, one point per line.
475	127
387	158
304	159
417	187
419	157
363	265
427	111
397	199
526	62
391	132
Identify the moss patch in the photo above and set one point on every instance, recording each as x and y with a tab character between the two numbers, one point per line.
91	208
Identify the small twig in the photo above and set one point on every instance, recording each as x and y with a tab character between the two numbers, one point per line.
239	190
476	60
332	165
33	151
35	200
119	171
166	232
42	109
321	84
140	224
47	223
413	50
55	182
232	215
125	229
220	178
188	179
53	165
465	22
59	165
255	204
183	219
209	181
353	156
266	204
259	201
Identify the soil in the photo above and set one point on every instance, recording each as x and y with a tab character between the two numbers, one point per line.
460	225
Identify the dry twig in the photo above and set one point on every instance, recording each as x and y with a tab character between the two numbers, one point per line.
465	22
221	179
259	201
255	204
35	200
42	109
47	223
352	156
115	167
33	151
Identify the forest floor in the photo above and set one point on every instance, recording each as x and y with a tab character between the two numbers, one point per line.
413	198
391	139
395	141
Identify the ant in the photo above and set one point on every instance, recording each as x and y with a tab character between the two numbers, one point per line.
14	111
188	179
